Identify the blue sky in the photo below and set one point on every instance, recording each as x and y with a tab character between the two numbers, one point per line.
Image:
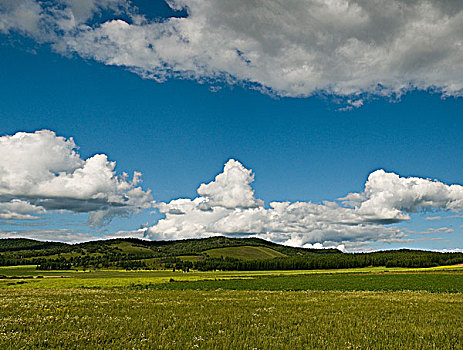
181	132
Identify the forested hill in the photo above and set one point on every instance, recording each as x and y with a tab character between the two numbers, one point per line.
215	253
146	247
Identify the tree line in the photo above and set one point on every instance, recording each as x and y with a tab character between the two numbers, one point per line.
400	258
392	258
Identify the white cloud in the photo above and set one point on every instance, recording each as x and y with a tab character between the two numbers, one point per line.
67	235
437	230
231	188
59	235
48	21
41	171
228	206
16	209
341	47
434	218
389	197
20	15
450	250
82	10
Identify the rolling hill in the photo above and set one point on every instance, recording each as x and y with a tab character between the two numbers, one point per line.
244	252
214	253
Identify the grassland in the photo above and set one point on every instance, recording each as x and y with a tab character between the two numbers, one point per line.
151	319
371	278
431	282
363	308
244	252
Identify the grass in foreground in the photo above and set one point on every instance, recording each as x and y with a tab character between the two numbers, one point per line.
114	319
315	309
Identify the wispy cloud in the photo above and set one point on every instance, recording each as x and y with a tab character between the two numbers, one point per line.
434	218
437	230
67	235
58	235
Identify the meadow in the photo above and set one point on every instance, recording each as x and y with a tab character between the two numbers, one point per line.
154	319
363	308
438	279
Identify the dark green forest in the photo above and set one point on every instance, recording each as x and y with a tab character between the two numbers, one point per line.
391	258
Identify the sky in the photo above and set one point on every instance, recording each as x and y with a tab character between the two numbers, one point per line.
321	124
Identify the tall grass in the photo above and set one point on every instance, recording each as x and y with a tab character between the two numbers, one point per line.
152	319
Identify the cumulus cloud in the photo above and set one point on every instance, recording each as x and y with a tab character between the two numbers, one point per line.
342	47
228	206
231	188
456	250
388	197
41	171
17	209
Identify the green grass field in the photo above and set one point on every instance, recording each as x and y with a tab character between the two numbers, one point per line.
244	252
151	319
371	278
431	282
365	308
